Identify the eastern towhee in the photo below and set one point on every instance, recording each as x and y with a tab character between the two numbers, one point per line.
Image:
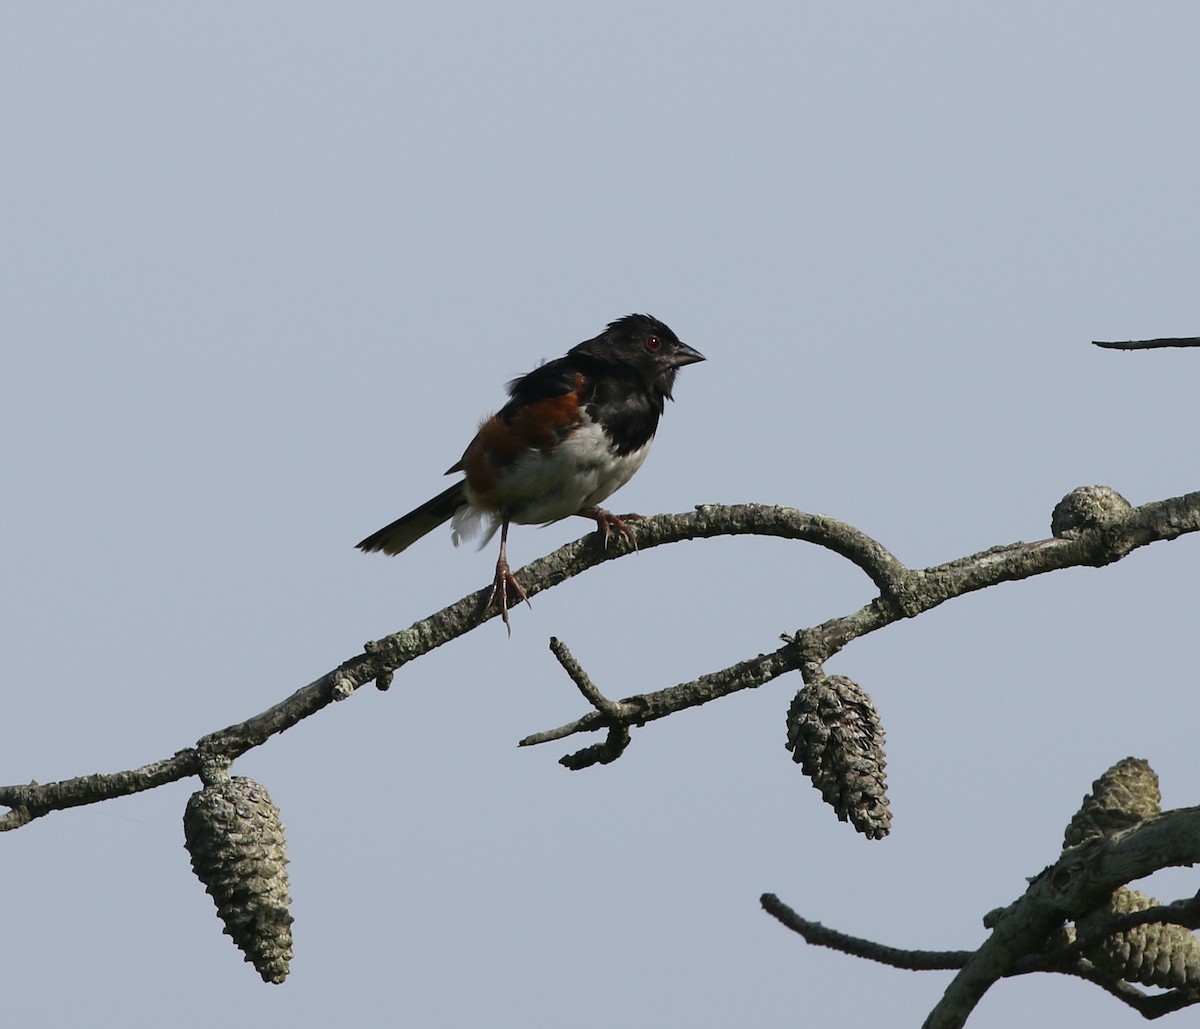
572	433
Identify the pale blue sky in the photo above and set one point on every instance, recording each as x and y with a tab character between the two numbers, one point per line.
265	265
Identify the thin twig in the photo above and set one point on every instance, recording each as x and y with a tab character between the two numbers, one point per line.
617	716
609	708
1149	344
898	957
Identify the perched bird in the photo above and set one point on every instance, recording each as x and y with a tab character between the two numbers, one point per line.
572	433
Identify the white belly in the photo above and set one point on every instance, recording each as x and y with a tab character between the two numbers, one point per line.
580	472
546	486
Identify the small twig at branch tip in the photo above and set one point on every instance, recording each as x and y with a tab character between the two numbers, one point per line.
610	709
1148	344
599	753
819	935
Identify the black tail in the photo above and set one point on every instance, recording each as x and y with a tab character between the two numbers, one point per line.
404	532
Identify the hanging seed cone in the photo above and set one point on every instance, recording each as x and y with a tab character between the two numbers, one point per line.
1156	954
835	735
235	838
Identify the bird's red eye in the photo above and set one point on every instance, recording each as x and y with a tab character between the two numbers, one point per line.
653	343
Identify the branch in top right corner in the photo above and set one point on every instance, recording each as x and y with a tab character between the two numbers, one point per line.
1149	344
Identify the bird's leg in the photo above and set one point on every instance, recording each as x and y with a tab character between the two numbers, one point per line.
606	521
503	581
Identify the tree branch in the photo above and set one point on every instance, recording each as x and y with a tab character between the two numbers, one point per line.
1149	344
897	957
1087	539
1082	878
1094	531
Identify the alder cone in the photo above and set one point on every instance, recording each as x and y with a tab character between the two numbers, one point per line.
235	838
835	735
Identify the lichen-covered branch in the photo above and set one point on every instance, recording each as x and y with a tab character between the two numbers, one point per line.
1092	526
1118	937
1069	890
1092	532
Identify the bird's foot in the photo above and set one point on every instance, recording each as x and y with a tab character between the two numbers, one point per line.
606	521
504	581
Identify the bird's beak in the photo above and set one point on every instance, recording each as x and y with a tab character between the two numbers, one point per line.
684	354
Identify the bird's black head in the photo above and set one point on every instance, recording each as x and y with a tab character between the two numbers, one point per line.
645	344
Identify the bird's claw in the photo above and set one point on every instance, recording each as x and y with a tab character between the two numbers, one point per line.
606	521
504	581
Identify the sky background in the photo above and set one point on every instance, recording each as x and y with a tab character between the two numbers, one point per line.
263	268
